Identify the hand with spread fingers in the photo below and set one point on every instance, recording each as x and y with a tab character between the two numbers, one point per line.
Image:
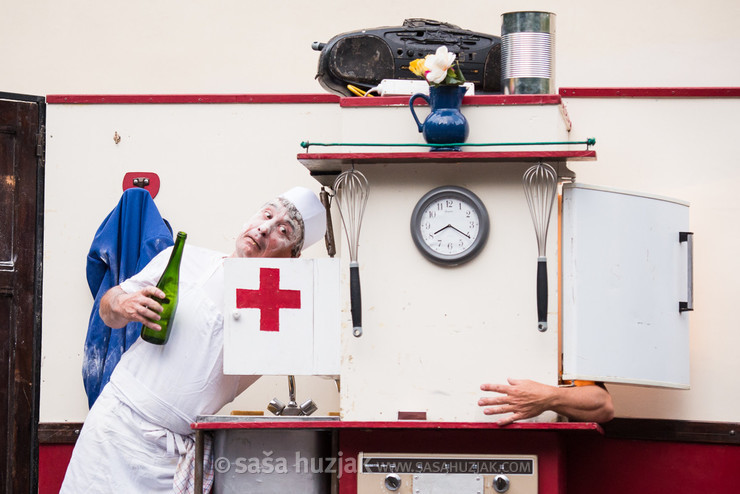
524	399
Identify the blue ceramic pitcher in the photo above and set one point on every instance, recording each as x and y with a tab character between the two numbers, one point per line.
445	124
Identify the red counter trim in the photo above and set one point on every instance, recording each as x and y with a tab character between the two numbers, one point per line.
650	92
134	99
338	424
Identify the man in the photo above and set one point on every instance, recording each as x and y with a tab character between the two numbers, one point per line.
137	436
584	401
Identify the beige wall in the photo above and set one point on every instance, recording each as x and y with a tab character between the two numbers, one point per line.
236	46
681	148
217	164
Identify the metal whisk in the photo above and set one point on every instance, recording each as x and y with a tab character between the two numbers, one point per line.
540	186
351	191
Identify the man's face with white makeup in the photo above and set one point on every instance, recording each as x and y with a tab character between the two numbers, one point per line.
271	232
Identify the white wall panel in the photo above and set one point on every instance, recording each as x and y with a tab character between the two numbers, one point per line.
675	147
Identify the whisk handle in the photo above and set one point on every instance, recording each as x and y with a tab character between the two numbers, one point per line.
355	298
542	294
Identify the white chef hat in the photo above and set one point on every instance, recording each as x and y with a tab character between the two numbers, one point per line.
312	211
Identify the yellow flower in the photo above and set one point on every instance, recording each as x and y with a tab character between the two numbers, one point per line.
417	67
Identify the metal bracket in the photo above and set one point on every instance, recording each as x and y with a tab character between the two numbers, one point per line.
565	175
331	247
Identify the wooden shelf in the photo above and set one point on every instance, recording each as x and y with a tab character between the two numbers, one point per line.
324	167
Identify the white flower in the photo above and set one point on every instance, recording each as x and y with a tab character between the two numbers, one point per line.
438	64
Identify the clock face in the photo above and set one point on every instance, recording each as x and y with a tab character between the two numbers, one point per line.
450	225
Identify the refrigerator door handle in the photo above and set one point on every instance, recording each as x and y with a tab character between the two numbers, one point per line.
688	237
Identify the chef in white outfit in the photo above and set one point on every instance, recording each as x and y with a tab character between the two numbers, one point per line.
137	436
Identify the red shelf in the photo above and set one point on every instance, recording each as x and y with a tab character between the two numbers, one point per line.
325	166
475	100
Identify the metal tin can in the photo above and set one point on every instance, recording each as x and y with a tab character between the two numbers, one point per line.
528	52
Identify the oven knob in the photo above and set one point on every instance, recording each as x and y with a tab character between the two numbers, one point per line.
392	482
501	483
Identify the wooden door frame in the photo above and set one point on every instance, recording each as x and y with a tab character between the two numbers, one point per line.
26	412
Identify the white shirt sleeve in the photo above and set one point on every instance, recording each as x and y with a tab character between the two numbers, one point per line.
149	276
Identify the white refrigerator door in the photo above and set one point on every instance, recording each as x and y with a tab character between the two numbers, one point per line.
624	273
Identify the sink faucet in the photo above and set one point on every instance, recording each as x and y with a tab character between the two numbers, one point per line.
292	408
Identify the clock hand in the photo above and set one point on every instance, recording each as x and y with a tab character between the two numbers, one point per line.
458	231
443	228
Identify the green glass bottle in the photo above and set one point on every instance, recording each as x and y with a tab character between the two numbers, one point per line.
168	283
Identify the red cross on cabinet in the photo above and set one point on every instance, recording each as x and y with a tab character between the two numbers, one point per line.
269	299
281	316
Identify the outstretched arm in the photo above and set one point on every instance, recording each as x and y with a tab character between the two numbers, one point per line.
118	308
525	399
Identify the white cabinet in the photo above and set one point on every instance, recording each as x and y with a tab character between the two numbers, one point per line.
281	316
626	268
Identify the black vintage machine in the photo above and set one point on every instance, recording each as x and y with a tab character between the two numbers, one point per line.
364	58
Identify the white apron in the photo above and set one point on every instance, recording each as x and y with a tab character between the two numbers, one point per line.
139	428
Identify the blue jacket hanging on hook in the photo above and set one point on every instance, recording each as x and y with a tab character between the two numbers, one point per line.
131	235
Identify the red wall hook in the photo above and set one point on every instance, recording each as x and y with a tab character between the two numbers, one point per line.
146	180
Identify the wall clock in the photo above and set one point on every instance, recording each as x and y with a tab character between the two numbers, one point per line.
450	225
